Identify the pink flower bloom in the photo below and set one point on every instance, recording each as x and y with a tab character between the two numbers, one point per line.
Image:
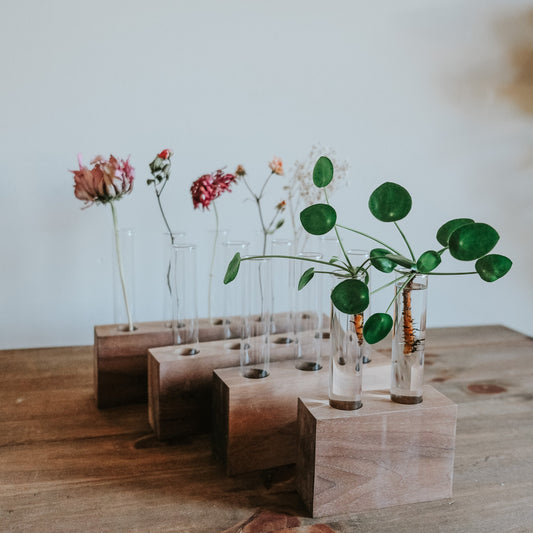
165	154
276	165
108	179
209	187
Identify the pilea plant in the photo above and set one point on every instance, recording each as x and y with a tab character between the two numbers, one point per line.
463	238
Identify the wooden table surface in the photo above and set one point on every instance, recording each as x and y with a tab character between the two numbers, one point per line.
66	466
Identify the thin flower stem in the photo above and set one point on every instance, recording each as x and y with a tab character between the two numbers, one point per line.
406	241
369	237
212	263
120	269
158	196
265	184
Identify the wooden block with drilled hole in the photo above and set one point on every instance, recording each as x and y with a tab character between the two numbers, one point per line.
120	361
381	455
120	367
255	420
179	385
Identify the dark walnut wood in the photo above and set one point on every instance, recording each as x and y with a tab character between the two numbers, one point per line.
381	455
120	357
67	466
254	421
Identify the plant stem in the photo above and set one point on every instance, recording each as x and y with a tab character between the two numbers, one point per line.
410	276
406	241
297	258
369	237
388	284
212	263
449	273
337	233
120	270
158	196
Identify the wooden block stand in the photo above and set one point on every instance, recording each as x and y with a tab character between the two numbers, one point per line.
179	397
255	420
120	376
120	357
381	455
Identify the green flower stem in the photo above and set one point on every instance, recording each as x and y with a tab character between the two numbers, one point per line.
212	263
120	269
337	233
406	241
158	196
369	237
258	203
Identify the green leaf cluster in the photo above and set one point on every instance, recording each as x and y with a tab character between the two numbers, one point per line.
465	240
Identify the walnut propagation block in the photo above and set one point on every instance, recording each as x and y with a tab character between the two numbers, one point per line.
381	455
120	357
255	420
180	386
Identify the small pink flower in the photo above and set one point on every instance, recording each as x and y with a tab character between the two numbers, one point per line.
209	187
108	179
165	154
276	165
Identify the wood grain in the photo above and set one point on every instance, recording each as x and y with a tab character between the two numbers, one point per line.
255	419
120	357
66	466
381	455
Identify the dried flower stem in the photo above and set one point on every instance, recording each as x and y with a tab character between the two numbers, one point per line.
120	269
257	199
212	263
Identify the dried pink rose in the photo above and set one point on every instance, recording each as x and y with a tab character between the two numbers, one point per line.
107	180
276	165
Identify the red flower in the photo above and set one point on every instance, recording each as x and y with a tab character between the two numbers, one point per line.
165	154
209	187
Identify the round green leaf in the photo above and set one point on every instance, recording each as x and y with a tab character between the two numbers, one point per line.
390	202
377	327
323	172
350	296
428	261
318	219
233	269
379	260
305	278
493	267
444	232
472	241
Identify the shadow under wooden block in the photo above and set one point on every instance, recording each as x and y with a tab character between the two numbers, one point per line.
255	420
180	386
381	455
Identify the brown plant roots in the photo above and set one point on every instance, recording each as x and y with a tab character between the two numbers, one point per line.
409	338
358	321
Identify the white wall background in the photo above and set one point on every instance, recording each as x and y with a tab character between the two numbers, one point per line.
427	93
